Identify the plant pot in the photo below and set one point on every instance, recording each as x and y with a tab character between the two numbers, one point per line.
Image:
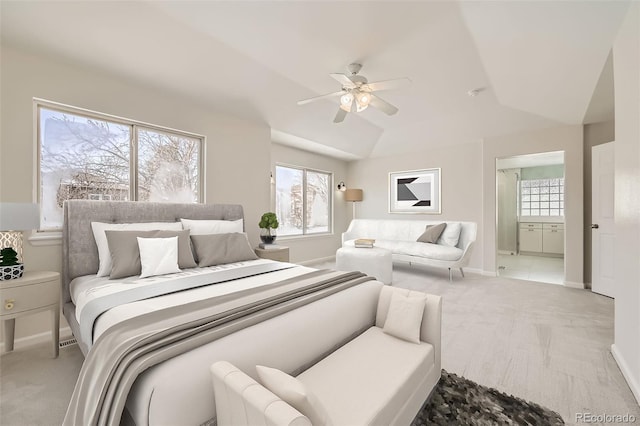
11	272
267	237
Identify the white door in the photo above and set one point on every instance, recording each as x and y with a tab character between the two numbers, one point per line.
602	228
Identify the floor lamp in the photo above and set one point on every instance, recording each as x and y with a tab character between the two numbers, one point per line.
353	195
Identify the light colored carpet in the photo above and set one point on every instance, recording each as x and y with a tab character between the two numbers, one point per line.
545	343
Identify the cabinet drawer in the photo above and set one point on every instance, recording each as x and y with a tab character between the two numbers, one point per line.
549	226
530	225
27	297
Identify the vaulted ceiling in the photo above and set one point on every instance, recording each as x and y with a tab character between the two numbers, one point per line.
540	63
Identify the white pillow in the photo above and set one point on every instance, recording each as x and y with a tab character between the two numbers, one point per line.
104	255
404	317
293	392
158	256
450	235
205	227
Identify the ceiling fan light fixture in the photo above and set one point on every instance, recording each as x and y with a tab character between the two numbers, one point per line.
363	98
346	100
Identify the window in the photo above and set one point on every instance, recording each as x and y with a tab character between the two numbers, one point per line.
542	197
303	201
91	156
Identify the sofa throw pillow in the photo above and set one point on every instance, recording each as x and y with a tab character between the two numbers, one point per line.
204	227
99	228
451	234
158	256
431	233
125	254
217	249
293	392
404	317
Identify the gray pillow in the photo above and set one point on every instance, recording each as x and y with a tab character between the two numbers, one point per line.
217	249
125	253
432	233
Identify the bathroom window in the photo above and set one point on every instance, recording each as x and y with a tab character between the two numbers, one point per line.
542	197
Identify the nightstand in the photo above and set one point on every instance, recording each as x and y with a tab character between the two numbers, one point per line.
33	292
281	253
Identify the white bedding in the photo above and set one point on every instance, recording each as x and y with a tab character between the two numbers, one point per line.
86	288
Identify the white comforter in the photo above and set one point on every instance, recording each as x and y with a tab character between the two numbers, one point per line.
89	287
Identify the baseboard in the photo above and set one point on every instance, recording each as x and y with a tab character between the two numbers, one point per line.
626	372
488	273
473	270
36	339
573	284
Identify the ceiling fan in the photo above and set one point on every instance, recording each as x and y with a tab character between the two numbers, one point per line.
357	93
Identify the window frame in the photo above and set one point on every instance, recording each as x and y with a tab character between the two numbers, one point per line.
134	125
330	200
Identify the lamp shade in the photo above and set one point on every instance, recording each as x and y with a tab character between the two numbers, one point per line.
353	195
19	216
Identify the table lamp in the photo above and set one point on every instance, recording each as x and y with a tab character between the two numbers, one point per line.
15	218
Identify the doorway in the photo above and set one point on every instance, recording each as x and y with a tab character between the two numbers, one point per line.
530	217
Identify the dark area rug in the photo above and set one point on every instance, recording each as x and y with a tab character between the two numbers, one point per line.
458	401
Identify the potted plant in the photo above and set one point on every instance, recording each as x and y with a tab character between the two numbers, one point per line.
268	224
9	266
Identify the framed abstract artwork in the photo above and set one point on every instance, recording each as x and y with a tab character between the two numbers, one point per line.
415	191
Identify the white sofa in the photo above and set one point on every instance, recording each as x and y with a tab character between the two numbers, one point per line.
399	237
374	379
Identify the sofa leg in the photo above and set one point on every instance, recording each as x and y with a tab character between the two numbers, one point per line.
462	272
450	276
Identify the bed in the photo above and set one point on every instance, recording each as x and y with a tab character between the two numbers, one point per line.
139	352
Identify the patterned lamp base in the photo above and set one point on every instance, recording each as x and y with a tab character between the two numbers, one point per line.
11	272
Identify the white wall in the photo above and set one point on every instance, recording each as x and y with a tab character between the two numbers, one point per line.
317	246
461	182
626	68
565	138
230	178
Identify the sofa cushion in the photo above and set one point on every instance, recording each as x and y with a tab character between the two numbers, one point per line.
413	248
375	373
432	233
451	234
294	393
404	316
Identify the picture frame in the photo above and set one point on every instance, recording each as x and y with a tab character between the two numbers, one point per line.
415	191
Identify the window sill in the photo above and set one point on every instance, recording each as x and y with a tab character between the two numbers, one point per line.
48	238
305	237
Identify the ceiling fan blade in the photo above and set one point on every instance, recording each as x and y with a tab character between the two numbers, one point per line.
382	105
344	80
387	84
340	116
316	98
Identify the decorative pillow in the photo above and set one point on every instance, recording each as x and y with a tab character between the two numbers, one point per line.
432	233
99	228
404	317
125	254
451	234
204	227
158	256
216	249
293	392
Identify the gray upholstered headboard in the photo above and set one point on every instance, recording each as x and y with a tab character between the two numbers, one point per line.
79	250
